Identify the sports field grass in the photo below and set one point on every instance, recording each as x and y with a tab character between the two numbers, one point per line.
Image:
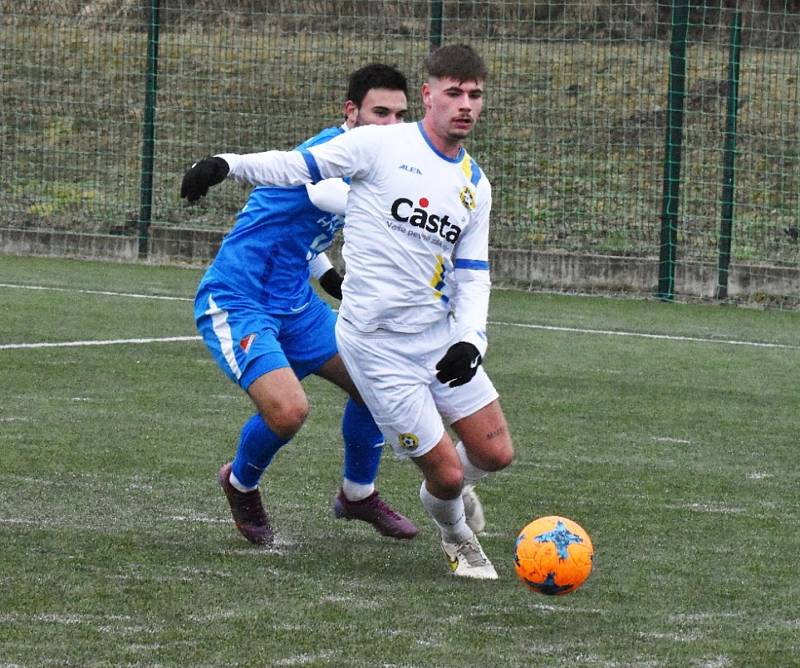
665	430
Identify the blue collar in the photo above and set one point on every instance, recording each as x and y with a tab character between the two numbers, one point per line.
457	159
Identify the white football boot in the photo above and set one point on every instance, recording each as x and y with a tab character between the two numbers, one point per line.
468	560
473	509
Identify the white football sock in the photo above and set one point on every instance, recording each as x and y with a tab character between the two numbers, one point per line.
472	473
354	491
448	515
236	484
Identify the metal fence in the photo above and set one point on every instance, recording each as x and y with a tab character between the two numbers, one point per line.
665	130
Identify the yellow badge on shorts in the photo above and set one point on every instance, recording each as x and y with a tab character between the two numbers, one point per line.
408	441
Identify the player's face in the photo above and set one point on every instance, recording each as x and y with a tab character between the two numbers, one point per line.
380	106
452	107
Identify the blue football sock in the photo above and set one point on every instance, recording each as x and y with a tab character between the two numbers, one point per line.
257	446
362	444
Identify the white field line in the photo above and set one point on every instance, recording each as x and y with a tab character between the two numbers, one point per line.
641	335
106	293
109	342
549	328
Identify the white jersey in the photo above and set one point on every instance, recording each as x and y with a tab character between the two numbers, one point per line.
415	219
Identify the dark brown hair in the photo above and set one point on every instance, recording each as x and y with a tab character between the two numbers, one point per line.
456	61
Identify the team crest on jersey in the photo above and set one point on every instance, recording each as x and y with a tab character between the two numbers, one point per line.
246	342
409	441
467	196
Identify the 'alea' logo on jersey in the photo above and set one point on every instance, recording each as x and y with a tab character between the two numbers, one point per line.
405	211
411	169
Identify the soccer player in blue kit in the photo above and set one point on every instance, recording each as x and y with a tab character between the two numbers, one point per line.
267	328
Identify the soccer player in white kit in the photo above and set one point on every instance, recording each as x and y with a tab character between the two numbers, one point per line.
412	323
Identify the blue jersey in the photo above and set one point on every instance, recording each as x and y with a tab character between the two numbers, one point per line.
265	256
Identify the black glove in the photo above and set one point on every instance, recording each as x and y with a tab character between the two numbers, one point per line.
201	176
331	282
459	364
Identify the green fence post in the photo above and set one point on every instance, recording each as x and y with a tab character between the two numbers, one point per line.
672	153
149	131
436	24
729	157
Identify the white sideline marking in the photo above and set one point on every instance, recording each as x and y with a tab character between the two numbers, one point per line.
198	518
683	636
707	508
665	337
59	618
548	607
700	617
107	293
110	342
303	659
549	328
721	661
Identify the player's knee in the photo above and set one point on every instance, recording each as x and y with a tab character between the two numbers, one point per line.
503	456
497	458
288	417
446	482
494	457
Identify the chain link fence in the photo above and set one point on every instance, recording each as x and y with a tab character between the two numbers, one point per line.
106	103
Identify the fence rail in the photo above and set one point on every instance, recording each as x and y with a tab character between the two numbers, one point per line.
667	130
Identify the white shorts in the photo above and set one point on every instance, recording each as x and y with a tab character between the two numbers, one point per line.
396	376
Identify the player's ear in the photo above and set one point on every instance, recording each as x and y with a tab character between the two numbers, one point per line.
426	95
350	112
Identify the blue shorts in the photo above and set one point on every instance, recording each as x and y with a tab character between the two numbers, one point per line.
246	341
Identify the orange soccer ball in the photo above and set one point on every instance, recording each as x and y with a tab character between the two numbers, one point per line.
553	555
